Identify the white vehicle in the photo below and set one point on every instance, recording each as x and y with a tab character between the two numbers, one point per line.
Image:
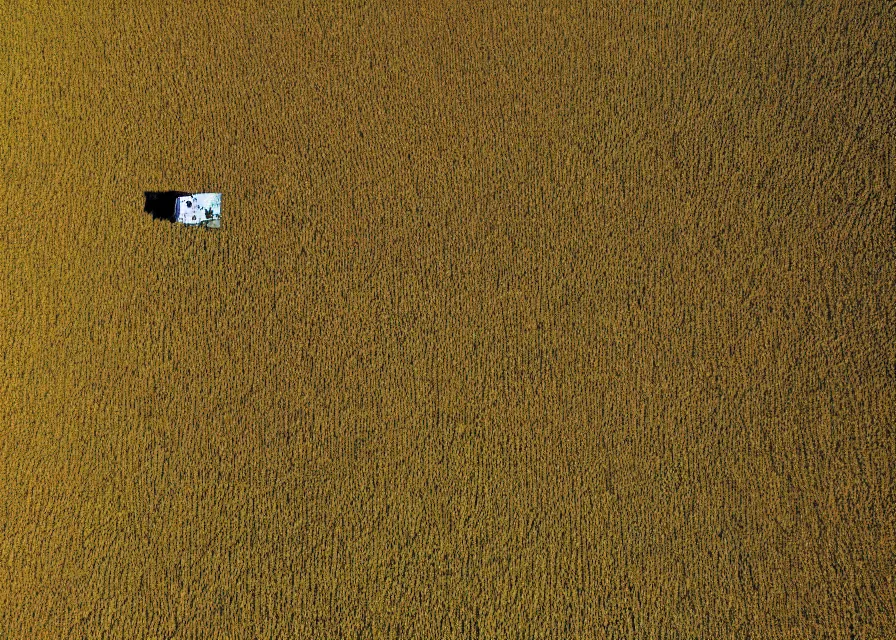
199	210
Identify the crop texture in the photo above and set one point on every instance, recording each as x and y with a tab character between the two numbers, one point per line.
525	320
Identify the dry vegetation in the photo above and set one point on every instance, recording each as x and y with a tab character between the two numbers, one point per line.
525	321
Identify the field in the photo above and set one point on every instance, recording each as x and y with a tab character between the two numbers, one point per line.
525	320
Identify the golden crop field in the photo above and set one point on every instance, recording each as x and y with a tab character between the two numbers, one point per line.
525	320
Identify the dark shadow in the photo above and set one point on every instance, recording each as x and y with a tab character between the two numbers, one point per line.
160	204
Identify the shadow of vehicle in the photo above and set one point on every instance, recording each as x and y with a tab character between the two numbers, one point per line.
160	204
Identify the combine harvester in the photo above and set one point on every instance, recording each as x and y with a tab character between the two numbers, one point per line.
199	210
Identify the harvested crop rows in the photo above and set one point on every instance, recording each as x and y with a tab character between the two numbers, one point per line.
557	320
